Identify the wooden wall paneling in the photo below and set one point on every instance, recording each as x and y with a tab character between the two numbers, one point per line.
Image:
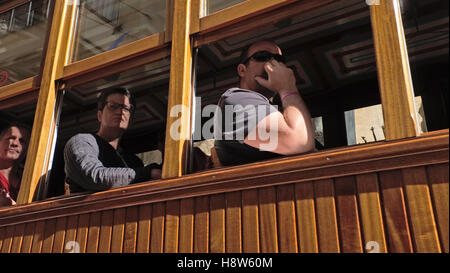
71	233
287	224
28	237
60	233
233	235
268	220
95	222
104	244
201	225
157	236
393	204
144	228
38	237
347	207
118	230
439	183
172	226
19	232
49	235
371	215
82	232
327	227
217	224
8	239
131	230
250	221
186	226
306	218
420	210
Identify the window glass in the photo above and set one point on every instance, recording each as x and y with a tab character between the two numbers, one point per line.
330	50
426	25
107	24
22	34
212	6
145	135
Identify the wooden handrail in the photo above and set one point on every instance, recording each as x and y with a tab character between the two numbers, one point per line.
303	168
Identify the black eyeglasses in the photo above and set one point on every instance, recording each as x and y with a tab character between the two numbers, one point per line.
265	56
114	106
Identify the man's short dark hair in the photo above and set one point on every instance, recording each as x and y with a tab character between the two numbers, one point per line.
6	124
119	90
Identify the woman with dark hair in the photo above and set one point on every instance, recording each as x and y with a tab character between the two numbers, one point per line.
14	138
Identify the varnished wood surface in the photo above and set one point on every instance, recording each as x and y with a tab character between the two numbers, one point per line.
394	75
15	89
390	208
179	98
44	123
12	4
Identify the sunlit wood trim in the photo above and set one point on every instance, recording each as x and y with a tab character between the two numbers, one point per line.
127	64
17	88
40	143
12	4
211	30
179	93
394	75
20	99
196	6
169	20
239	12
341	162
116	55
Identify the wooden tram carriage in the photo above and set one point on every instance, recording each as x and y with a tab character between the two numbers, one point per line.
387	196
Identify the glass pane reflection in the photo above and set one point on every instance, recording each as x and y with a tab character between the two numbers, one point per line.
212	6
107	24
22	34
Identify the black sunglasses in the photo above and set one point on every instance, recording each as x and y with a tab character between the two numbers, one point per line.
114	106
265	56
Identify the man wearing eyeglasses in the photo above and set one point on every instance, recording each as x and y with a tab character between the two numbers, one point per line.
259	129
96	162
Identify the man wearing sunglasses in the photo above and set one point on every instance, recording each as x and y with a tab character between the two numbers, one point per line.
96	162
242	138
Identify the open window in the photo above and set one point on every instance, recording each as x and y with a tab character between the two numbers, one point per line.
331	52
18	111
148	84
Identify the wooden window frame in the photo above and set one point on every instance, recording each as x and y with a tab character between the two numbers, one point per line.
197	31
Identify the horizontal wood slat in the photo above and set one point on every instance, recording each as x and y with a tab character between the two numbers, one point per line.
393	210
